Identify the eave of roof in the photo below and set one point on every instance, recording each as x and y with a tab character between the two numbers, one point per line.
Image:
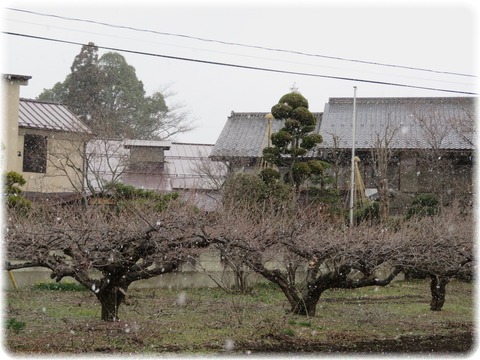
16	77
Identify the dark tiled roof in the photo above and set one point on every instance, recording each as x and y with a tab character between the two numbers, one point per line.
439	114
245	135
49	116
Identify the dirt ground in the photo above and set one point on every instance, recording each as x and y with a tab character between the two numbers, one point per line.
461	342
394	319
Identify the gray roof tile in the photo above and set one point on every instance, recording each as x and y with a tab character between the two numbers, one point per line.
245	135
373	116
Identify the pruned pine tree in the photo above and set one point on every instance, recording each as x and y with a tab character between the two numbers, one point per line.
291	145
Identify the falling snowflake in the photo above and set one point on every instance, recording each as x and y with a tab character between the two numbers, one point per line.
182	298
229	345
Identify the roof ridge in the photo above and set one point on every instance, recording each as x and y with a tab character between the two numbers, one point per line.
191	143
400	99
43	102
261	114
257	114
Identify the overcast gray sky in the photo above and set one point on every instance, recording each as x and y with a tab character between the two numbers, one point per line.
439	36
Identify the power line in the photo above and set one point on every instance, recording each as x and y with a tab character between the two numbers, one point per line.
241	45
276	59
241	66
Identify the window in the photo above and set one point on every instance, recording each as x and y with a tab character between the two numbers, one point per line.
35	153
146	160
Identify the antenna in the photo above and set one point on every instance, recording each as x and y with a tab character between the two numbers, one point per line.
294	88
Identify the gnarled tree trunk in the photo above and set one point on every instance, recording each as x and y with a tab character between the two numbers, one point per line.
438	286
307	305
110	299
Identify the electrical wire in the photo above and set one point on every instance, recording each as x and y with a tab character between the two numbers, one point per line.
239	44
239	66
274	59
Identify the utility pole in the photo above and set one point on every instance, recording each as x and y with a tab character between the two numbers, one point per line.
352	173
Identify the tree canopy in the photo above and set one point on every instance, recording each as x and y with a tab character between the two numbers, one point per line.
106	246
107	95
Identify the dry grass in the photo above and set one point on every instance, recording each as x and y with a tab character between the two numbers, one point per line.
209	321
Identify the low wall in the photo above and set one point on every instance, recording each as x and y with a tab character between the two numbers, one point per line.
198	275
176	280
188	276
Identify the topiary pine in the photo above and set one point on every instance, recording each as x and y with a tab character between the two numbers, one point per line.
291	144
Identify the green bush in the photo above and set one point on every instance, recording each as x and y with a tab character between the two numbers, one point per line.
371	211
281	111
12	183
304	116
63	286
18	202
250	189
269	175
423	205
124	194
13	324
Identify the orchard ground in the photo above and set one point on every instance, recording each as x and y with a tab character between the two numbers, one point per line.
392	319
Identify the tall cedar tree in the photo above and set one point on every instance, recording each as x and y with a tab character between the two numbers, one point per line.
107	95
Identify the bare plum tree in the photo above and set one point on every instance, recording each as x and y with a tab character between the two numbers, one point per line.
334	256
440	246
104	248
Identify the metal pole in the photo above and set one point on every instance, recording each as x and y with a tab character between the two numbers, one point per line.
352	173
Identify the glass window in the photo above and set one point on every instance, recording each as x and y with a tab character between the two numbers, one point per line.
35	153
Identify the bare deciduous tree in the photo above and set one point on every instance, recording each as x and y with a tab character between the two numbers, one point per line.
176	120
213	173
381	154
441	134
88	164
333	255
465	125
440	246
106	160
102	248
